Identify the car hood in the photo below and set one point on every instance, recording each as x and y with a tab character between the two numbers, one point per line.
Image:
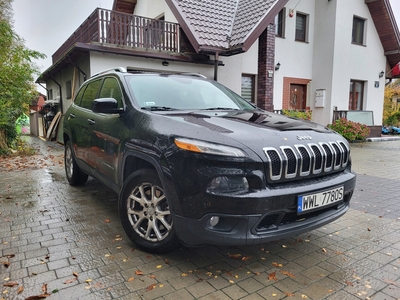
249	129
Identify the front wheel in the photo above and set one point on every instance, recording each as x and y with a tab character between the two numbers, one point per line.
145	213
75	175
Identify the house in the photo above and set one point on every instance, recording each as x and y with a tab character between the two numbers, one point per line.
330	56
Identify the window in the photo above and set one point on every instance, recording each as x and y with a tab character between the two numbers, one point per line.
111	89
358	31
90	94
356	95
50	94
68	89
280	23
301	27
248	87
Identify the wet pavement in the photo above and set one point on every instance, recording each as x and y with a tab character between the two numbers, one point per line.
67	243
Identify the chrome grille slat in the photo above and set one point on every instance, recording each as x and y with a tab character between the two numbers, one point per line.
288	162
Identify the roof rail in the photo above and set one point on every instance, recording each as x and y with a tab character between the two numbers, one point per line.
194	74
118	69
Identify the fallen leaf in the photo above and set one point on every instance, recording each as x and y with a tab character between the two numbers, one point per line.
107	220
159	267
131	279
235	256
6	263
138	272
231	281
166	261
276	265
47	256
289	294
339	252
151	287
244	258
369	229
184	274
44	288
70	281
349	283
41	296
272	276
284	246
11	284
75	274
152	276
10	255
287	274
323	250
88	280
20	289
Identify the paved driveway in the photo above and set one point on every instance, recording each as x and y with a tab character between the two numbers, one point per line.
67	242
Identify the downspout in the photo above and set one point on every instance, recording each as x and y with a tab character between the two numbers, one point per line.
80	70
59	85
216	62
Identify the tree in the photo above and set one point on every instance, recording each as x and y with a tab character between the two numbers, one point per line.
17	72
391	115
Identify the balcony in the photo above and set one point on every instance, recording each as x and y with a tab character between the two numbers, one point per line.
115	29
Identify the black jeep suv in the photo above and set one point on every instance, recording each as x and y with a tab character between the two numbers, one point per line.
193	162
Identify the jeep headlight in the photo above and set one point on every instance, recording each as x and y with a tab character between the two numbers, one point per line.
208	148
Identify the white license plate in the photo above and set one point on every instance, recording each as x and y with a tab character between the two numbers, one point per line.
318	200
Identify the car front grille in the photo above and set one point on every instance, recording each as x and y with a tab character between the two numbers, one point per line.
299	161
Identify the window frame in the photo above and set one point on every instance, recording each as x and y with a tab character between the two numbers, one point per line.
280	23
304	29
253	87
358	31
354	102
68	89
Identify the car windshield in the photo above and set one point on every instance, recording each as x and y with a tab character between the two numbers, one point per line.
174	92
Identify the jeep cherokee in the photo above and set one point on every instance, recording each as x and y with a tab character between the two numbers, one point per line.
194	163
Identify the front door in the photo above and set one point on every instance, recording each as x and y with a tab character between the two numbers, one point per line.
298	96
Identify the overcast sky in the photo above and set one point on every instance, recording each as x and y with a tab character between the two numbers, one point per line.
46	24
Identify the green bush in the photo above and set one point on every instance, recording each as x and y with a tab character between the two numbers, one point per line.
298	114
351	131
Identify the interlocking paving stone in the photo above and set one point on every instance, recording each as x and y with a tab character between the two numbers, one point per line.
50	230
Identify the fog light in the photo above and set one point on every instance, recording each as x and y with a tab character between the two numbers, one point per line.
225	184
214	220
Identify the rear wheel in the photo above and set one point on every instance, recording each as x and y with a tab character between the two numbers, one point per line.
145	213
75	175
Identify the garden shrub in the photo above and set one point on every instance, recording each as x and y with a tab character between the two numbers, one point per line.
351	131
298	114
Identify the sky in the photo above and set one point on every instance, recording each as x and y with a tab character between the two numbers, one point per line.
46	24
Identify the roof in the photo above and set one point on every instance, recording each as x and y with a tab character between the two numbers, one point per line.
387	29
224	26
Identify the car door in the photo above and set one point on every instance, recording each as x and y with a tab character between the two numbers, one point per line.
107	132
81	120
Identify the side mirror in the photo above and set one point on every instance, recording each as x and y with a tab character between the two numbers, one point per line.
106	106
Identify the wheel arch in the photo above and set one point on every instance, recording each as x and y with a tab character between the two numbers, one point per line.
134	161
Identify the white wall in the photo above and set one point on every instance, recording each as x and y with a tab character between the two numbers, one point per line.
330	60
296	58
156	9
358	62
102	61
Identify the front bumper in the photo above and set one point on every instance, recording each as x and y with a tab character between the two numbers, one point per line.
268	225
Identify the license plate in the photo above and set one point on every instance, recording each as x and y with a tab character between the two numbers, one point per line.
318	200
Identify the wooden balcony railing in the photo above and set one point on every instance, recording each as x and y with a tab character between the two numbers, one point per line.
115	28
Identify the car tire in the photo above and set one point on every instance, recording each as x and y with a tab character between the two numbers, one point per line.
145	213
75	175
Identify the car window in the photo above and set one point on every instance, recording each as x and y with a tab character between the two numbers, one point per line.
90	94
179	92
78	97
111	89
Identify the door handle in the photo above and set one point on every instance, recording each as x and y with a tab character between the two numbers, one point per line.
91	122
71	116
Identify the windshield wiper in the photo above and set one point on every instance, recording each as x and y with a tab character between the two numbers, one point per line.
221	108
155	108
